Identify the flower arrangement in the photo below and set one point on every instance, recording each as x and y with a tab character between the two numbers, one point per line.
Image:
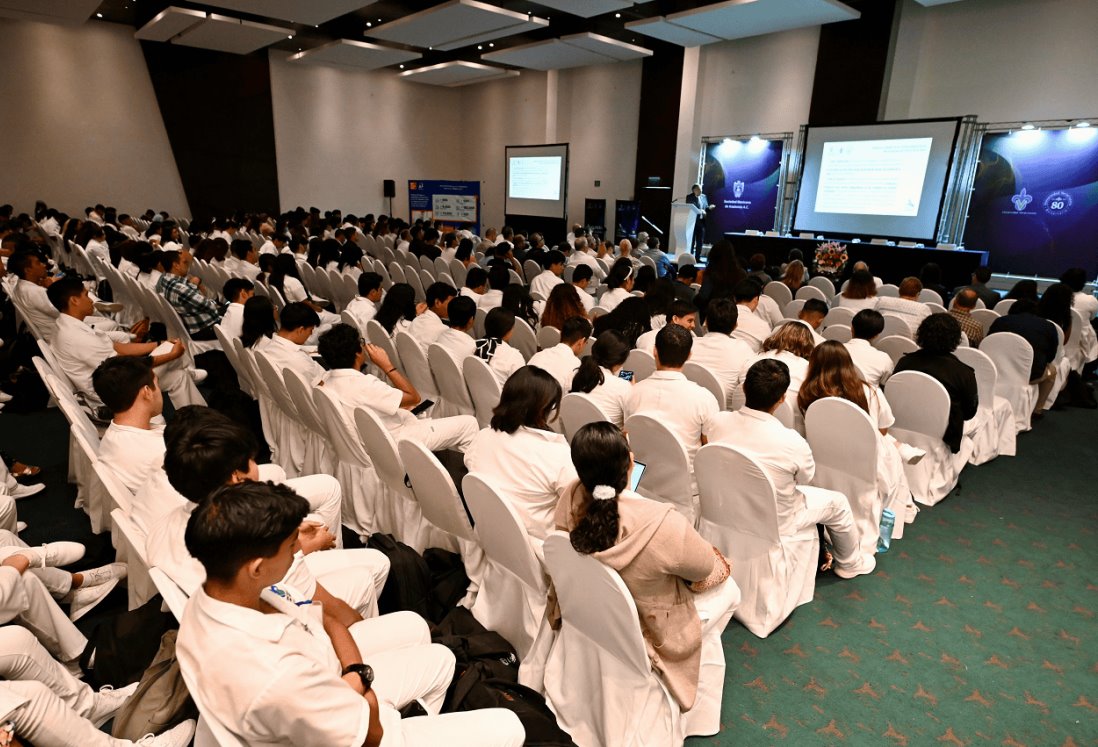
831	258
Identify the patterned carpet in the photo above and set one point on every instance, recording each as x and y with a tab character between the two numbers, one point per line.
977	628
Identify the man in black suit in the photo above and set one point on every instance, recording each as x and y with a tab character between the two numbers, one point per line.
697	199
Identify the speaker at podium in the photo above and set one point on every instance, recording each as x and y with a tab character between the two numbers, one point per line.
683	217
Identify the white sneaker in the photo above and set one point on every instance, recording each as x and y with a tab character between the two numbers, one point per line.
199	375
910	454
84	599
49	555
107	702
5	397
179	735
20	526
103	574
26	491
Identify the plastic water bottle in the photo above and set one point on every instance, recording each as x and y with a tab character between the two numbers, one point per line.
888	520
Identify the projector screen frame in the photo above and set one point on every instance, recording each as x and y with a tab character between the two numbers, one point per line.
563	186
948	179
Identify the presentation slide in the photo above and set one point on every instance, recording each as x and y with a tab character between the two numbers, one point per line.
884	180
537	179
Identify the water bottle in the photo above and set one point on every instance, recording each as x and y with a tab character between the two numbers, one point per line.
888	520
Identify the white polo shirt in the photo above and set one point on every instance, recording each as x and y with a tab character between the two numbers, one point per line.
270	679
505	361
680	404
460	345
586	299
545	282
79	350
232	322
559	361
1087	305
611	298
912	312
286	354
241	268
769	311
531	468
356	389
156	499
362	309
875	365
470	293
491	299
725	357
33	301
798	369
426	328
751	328
585	258
132	453
781	452
612	396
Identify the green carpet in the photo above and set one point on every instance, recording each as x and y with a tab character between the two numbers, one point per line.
977	628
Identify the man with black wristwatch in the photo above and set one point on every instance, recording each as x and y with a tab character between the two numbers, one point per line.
262	663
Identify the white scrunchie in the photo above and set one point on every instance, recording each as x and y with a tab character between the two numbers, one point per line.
604	493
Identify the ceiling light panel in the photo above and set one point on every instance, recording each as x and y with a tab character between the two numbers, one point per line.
456	24
295	11
587	8
577	50
660	28
604	45
68	12
738	19
225	34
168	23
457	73
354	54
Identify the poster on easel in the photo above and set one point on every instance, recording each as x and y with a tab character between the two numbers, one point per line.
454	204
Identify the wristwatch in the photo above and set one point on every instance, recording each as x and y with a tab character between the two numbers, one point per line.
365	673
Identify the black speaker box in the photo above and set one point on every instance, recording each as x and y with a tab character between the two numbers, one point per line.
390	188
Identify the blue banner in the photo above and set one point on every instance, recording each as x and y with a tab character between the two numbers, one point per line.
455	204
741	180
1035	203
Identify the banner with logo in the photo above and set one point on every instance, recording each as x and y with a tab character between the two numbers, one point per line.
456	204
740	178
1035	202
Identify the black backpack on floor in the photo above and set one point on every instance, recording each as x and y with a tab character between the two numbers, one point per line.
408	586
537	719
125	645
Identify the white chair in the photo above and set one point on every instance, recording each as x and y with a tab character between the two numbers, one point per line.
641	363
523	339
935	308
411	277
775	573
926	295
825	285
577	410
376	335
450	380
921	406
415	366
840	315
896	346
1013	359
889	290
129	542
838	332
396	272
288	429
512	599
174	597
984	317
895	325
793	309
484	388
993	432
599	679
806	292
706	379
548	337
478	325
458	272
779	291
531	270
667	477
319	452
1003	307
844	445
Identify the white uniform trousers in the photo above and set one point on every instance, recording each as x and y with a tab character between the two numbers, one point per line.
355	576
832	509
43	718
178	383
323	493
22	657
715	607
57	581
25	600
436	434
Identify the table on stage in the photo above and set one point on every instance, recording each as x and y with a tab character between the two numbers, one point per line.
890	263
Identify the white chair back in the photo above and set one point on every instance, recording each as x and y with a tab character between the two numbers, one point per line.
501	532
806	292
1003	307
641	363
896	346
839	332
935	308
825	285
986	374
523	339
173	595
277	386
376	335
415	366
779	291
348	447
894	325
450	380
841	315
435	491
577	410
926	295
548	337
301	392
667	476
484	388
793	309
984	317
706	379
919	402
531	269
129	541
458	272
889	290
383	452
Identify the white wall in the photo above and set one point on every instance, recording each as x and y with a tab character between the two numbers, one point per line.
80	121
1003	60
339	133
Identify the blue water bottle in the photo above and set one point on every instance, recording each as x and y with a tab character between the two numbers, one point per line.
888	520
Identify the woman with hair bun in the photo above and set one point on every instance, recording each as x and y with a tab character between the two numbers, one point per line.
663	561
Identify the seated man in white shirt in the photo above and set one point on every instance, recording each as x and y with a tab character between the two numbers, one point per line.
812	314
274	245
458	339
550	277
719	351
363	307
581	279
499	277
297	322
79	349
682	313
583	256
668	396
785	456
343	351
243	260
205	451
267	667
562	360
237	291
476	284
875	365
495	347
431	323
908	306
750	327
133	445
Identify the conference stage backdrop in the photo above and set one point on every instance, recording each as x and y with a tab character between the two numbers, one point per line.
1035	202
456	204
740	177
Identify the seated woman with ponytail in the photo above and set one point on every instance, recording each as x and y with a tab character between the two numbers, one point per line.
598	376
663	561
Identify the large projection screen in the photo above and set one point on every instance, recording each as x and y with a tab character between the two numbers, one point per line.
885	179
537	180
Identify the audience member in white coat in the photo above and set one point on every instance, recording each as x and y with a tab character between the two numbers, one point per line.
750	327
457	340
562	360
427	327
550	277
133	444
363	307
721	353
495	348
599	376
875	365
237	291
620	284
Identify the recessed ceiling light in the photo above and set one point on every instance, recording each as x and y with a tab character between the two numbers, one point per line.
491	44
1083	124
369	24
1027	126
480	46
401	67
291	36
98	15
617	15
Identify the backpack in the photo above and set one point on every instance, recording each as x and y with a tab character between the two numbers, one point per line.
449	582
408	586
541	726
125	645
480	654
161	700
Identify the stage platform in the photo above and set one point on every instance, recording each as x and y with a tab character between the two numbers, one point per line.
890	263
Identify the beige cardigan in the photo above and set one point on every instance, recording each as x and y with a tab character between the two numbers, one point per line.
656	552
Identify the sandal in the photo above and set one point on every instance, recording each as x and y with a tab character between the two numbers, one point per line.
18	469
